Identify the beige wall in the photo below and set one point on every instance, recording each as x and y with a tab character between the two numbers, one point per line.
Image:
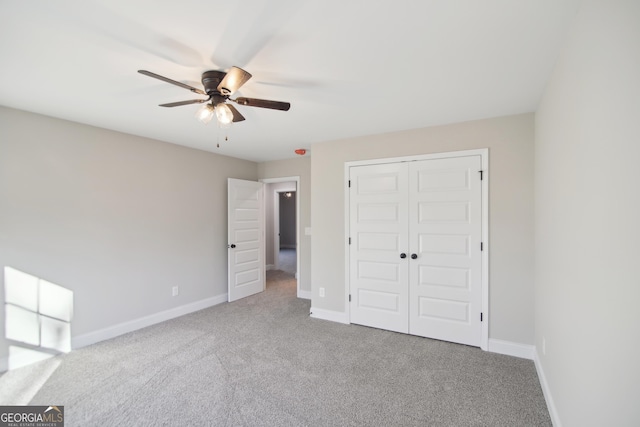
116	218
299	166
587	215
510	143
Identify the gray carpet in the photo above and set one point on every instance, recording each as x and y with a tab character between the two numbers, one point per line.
262	361
287	260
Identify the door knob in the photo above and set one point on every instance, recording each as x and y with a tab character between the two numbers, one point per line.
232	246
414	256
403	255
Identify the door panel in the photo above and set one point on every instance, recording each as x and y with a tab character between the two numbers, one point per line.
443	212
377	241
245	238
445	233
445	244
444	276
444	310
378	300
378	224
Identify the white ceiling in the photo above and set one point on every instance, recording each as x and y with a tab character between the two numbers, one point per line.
348	67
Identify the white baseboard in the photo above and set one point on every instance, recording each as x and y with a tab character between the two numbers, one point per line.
142	322
4	364
270	267
334	316
304	294
553	413
509	348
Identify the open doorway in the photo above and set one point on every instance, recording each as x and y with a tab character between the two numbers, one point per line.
286	246
282	206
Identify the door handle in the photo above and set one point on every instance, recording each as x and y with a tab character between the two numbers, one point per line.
231	246
414	256
403	255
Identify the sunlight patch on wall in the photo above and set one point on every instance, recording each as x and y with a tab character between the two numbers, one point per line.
38	318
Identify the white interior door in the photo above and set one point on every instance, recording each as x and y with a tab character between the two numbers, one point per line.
445	212
378	228
415	262
245	238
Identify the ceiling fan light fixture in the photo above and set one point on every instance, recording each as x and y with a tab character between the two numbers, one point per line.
223	113
219	86
205	113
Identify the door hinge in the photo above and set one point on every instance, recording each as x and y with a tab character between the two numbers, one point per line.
349	240
481	317
349	183
481	246
349	297
481	174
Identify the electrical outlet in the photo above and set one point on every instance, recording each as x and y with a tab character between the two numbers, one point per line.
321	292
174	291
544	346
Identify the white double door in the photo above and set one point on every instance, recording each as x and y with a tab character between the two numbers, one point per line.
415	247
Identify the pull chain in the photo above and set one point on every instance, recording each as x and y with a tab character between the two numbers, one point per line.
226	136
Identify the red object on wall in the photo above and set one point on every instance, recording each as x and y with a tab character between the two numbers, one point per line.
301	151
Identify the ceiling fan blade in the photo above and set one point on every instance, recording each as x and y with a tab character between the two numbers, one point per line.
173	82
237	117
233	80
179	103
263	103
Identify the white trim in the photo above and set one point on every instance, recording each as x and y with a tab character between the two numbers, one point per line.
304	294
484	158
347	249
4	364
484	338
270	267
275	220
333	316
431	156
142	322
553	412
524	351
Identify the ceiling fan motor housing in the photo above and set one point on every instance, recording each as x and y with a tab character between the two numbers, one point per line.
211	80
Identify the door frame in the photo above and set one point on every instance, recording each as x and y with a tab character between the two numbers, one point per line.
295	179
484	158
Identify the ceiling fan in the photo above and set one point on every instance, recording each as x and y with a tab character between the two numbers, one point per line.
219	86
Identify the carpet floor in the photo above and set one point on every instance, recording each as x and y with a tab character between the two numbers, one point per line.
262	361
287	260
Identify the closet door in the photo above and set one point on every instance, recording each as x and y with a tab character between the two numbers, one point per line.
378	229
445	234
